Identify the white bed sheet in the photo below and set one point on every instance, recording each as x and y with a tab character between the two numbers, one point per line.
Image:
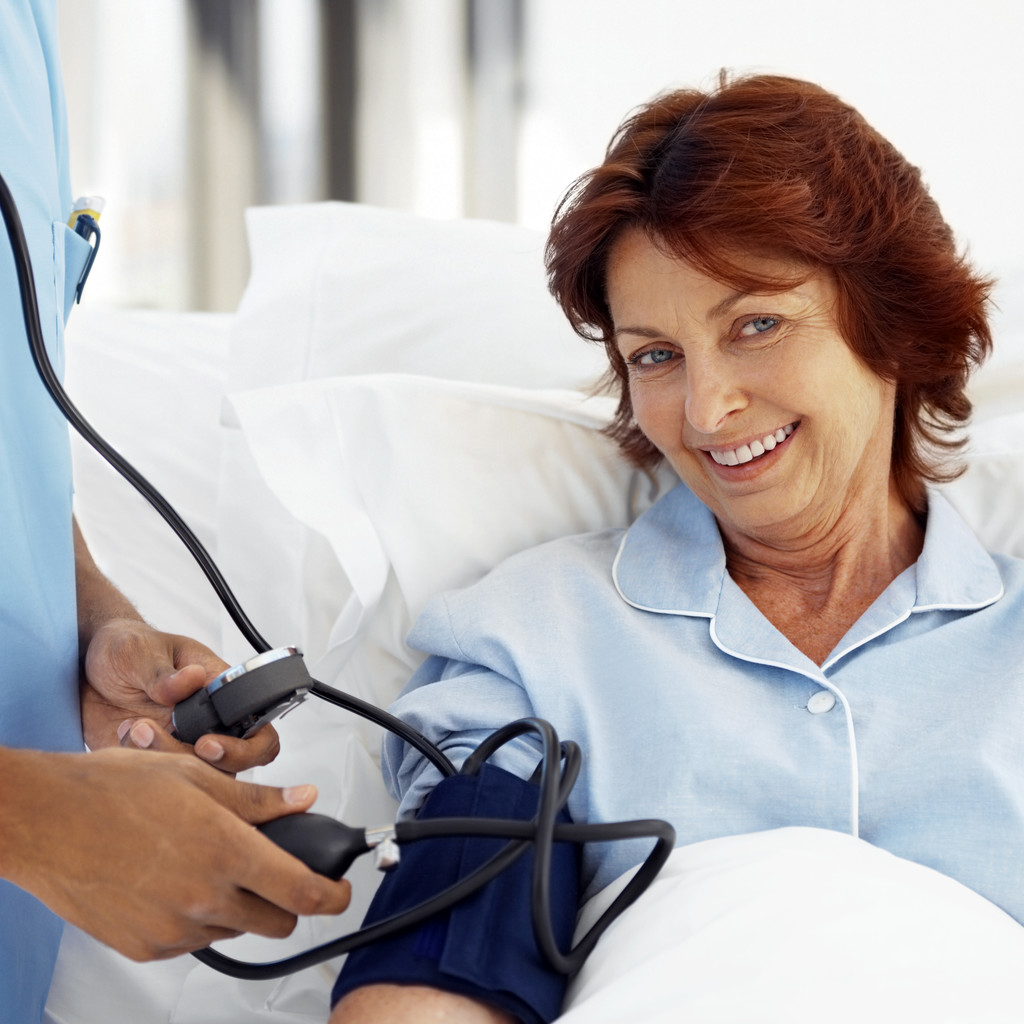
798	926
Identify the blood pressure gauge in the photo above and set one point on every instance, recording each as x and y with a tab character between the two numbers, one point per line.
245	697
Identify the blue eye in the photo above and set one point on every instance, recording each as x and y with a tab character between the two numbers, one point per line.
653	357
759	325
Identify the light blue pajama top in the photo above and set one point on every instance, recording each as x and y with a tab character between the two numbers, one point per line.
690	706
38	623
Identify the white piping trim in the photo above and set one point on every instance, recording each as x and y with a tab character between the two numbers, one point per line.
854	763
906	615
866	640
960	607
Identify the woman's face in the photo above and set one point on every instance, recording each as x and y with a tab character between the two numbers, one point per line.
754	399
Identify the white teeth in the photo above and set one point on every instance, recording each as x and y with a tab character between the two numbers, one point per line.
748	452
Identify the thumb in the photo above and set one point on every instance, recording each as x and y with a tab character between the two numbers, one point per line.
256	804
170	685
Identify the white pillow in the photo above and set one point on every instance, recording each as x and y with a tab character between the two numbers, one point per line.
990	494
340	288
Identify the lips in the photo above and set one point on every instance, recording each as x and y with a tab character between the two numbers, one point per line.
754	450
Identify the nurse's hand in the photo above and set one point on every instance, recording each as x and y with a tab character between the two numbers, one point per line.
133	675
154	854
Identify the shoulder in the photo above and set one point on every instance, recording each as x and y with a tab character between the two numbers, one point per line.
529	614
567	560
545	582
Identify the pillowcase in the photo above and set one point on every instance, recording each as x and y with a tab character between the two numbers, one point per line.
420	484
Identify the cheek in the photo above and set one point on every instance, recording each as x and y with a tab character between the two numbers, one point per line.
866	399
658	414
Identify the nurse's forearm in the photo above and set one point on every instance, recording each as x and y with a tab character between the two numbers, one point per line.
99	601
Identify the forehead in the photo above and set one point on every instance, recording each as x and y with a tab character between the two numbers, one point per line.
642	272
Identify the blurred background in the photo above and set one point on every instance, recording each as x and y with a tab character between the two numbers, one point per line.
184	112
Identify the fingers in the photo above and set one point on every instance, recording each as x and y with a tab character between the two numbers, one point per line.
248	912
284	886
282	883
189	665
276	876
276	886
144	673
231	754
256	804
228	753
273	911
146	734
141	949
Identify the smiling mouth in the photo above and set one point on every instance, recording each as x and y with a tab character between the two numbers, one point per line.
749	452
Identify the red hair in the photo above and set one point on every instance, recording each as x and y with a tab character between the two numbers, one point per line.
772	166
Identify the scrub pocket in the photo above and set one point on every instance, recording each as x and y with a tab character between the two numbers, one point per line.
70	254
70	251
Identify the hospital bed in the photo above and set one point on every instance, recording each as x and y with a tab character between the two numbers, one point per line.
396	405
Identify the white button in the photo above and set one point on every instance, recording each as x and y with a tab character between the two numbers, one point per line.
821	702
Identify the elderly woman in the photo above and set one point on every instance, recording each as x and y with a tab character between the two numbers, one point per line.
803	632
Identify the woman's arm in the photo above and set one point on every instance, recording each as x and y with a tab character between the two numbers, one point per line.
415	1004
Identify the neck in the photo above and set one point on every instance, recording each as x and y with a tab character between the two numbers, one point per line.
814	585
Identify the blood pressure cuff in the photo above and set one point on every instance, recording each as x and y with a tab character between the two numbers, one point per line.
483	947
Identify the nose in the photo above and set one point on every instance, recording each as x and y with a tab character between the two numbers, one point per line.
713	392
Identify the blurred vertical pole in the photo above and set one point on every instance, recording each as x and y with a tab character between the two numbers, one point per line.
339	30
494	107
225	149
410	105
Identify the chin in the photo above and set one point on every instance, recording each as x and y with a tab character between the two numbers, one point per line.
761	518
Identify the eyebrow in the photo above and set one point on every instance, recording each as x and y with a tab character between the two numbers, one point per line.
720	308
717	310
640	332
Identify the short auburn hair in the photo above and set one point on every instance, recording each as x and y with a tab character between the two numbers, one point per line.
772	166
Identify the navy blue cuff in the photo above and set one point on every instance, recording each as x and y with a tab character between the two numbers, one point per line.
484	947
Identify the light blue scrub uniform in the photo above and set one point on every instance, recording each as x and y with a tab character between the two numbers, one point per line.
38	630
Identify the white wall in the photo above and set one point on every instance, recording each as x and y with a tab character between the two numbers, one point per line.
943	80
